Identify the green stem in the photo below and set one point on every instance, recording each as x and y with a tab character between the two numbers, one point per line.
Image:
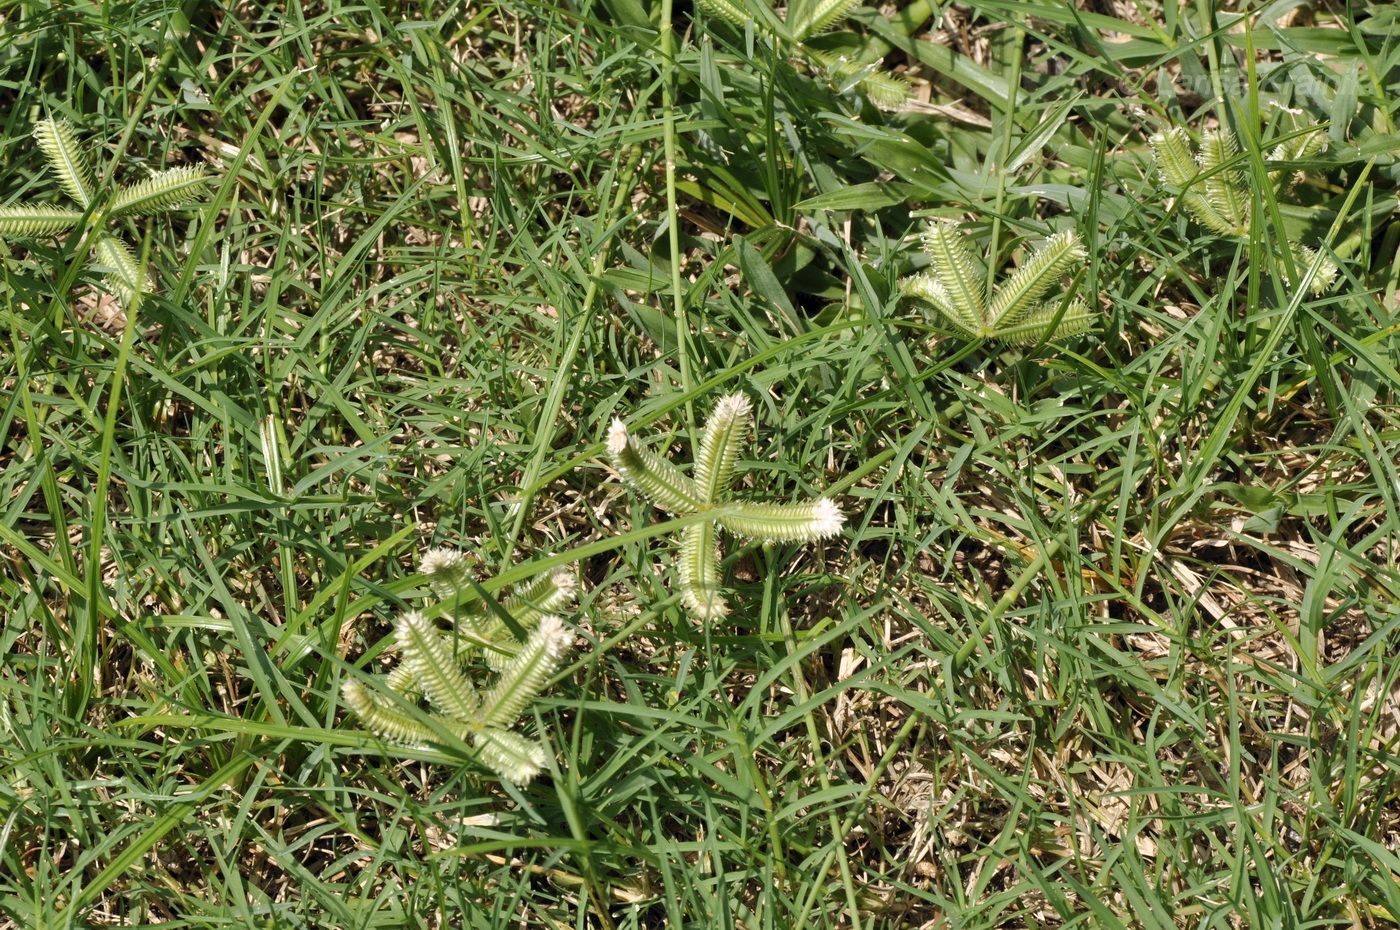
668	137
544	427
1003	604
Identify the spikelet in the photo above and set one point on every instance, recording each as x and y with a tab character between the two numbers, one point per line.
658	480
32	220
526	674
448	573
510	755
930	290
726	10
804	522
724	434
1325	276
1035	327
886	90
954	267
59	143
123	276
386	721
164	190
1226	188
817	16
1033	280
1177	168
1173	154
435	669
544	595
1298	148
699	572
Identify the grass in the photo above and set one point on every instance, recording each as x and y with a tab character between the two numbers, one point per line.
1110	637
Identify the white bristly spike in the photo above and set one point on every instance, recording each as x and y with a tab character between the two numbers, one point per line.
447	572
830	519
524	676
617	437
440	560
565	583
732	406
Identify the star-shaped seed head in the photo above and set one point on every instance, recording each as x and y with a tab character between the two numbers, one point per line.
1018	311
111	257
436	663
706	491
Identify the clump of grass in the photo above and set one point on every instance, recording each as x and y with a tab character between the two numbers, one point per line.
804	21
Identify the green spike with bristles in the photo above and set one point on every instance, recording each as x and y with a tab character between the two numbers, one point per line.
32	220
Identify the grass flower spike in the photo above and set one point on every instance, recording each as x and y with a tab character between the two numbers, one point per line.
436	662
1217	193
162	192
706	491
1017	311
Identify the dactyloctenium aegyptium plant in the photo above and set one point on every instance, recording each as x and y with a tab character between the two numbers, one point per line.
706	491
809	18
1017	311
68	161
435	663
1217	193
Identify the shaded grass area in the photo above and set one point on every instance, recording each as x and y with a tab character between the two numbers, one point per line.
1109	640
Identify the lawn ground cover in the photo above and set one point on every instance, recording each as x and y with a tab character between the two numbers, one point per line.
1109	635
